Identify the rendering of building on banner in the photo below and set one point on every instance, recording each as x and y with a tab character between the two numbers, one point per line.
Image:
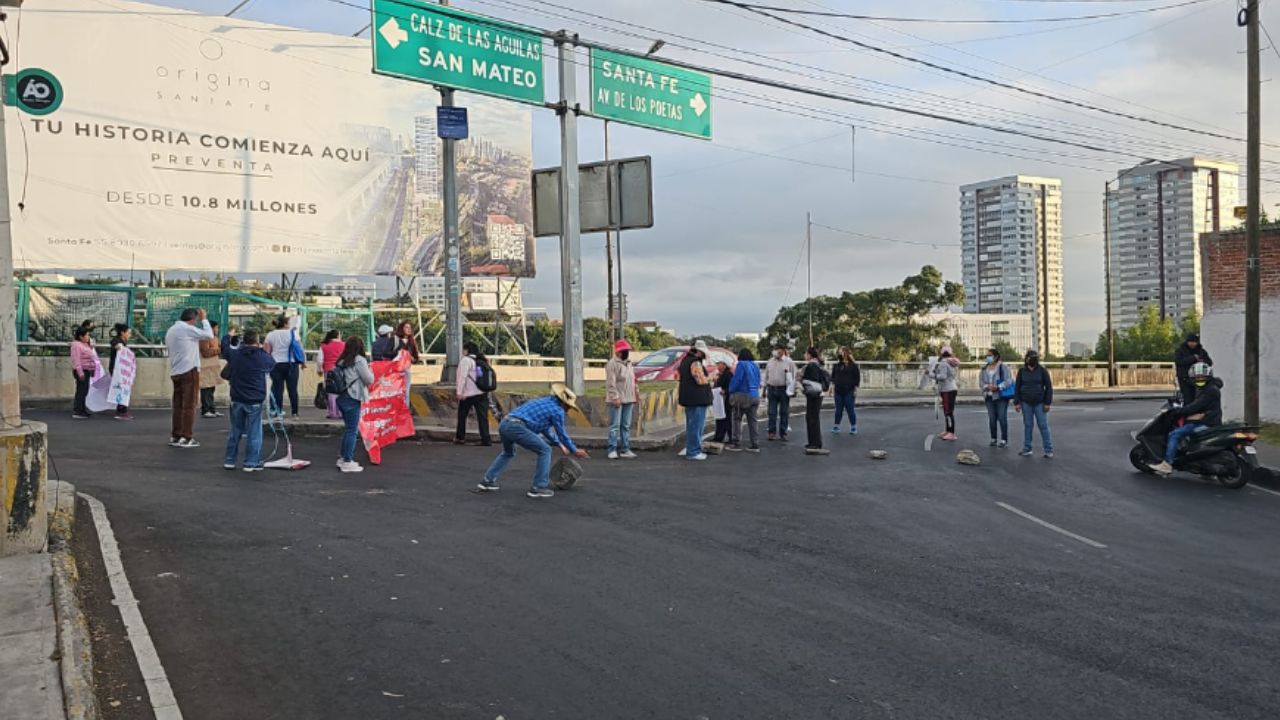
225	145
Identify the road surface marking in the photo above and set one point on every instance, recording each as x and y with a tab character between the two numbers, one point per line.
1123	422
928	442
1252	486
1051	526
163	703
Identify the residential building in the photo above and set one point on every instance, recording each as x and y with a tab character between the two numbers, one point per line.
351	289
979	331
1011	252
479	294
1080	349
1155	215
426	157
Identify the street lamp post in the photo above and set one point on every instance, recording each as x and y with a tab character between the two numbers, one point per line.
1112	375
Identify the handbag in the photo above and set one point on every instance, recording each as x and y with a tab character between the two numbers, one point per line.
322	398
1008	391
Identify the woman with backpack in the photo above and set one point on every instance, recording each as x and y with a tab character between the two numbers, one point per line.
472	395
327	357
997	383
815	381
353	383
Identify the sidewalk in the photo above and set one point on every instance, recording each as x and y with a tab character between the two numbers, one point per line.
30	677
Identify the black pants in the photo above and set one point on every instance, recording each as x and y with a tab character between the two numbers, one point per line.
481	404
1188	389
285	376
949	409
812	408
206	401
82	392
724	429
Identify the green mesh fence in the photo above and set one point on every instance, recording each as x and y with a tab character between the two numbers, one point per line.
51	313
164	308
319	321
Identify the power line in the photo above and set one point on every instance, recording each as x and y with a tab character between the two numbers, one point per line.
979	78
968	21
1270	42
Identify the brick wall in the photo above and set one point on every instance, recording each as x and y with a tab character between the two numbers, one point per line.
1222	266
1222	327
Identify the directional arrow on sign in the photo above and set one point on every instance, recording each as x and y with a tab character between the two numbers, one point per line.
394	34
698	104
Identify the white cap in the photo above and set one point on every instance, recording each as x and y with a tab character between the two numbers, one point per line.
384	330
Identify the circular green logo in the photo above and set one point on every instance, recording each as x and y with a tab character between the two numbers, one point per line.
37	91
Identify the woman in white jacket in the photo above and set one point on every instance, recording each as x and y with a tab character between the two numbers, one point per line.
944	376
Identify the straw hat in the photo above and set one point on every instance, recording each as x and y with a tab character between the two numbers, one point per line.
565	395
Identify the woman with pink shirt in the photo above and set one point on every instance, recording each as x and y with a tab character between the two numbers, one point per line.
330	350
83	363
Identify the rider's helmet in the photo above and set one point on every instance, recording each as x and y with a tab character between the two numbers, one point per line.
1200	373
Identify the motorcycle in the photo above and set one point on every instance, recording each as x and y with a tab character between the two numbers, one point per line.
1224	453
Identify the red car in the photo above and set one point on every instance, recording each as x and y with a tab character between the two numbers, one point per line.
664	365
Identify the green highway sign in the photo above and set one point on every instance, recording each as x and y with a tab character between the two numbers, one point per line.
650	94
419	40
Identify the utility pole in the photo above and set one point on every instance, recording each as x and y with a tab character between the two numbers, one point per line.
570	239
608	249
1112	375
452	249
9	415
1252	285
808	241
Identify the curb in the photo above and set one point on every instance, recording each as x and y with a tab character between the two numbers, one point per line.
75	649
655	441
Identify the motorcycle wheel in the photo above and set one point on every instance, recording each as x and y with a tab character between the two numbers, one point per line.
1237	477
1142	459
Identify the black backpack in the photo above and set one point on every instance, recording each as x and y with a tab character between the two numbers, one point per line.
335	381
488	379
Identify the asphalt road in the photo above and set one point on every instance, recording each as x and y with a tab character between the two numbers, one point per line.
749	586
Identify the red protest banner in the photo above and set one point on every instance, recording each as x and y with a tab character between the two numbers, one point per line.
385	417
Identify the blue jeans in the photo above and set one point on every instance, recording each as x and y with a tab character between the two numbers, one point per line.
350	409
513	432
779	410
844	403
620	427
1036	414
1171	447
246	420
695	421
998	418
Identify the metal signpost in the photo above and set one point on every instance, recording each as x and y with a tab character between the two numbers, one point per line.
650	94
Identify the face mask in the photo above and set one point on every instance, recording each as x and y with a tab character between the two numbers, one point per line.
1032	362
990	359
624	354
1201	382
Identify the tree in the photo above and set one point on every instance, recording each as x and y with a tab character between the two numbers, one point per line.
1008	353
959	349
880	324
1152	339
1190	324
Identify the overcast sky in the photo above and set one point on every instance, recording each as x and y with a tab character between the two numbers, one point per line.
730	219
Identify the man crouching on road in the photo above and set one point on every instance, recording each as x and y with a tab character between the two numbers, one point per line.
533	426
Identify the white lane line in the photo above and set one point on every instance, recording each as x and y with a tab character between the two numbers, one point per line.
1051	526
1253	486
928	442
1123	422
163	703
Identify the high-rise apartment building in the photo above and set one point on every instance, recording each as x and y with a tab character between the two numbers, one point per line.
1155	215
426	155
1011	253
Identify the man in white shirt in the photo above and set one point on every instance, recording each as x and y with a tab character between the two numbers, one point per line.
470	397
779	379
183	343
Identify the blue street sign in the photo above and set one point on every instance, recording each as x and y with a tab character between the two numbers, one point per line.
451	123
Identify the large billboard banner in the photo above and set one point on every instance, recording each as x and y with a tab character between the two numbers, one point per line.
192	142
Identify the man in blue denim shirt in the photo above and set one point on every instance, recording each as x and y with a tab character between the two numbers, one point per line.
535	426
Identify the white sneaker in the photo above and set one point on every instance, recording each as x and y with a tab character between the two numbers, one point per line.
339	463
628	455
613	455
699	456
351	467
682	452
1162	468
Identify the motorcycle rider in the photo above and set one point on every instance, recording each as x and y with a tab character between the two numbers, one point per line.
1203	412
1189	353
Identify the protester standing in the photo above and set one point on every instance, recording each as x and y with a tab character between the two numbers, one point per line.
471	397
944	373
744	399
384	348
815	381
695	398
327	357
120	334
997	389
621	395
535	426
210	372
230	341
846	378
779	386
280	343
248	366
84	362
720	402
357	376
405	341
1189	353
1033	396
182	341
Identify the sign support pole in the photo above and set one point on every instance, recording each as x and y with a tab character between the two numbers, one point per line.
452	262
570	239
1253	280
9	406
